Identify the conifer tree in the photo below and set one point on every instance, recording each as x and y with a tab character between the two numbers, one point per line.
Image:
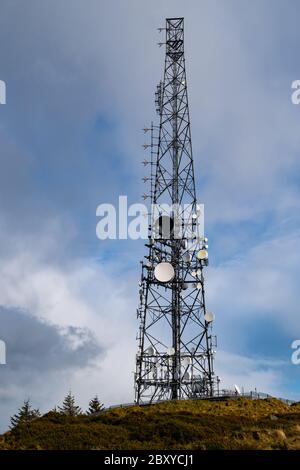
69	406
95	406
25	414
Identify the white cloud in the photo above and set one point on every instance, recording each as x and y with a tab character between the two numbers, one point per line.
81	293
249	373
262	281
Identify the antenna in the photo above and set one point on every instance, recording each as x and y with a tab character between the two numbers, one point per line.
202	255
164	272
174	324
209	317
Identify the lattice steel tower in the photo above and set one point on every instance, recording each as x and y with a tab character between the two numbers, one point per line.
175	353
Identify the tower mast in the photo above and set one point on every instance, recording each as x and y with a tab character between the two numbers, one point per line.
175	353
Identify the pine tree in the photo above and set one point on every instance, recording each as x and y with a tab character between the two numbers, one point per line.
69	406
25	414
95	406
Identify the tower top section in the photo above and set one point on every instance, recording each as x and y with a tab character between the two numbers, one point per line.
174	38
174	179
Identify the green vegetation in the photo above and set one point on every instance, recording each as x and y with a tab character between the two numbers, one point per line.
95	406
25	414
195	424
69	407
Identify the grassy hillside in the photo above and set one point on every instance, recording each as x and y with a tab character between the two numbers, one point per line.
229	424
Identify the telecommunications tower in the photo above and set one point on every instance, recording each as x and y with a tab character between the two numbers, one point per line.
175	343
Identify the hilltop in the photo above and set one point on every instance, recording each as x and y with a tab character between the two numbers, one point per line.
193	424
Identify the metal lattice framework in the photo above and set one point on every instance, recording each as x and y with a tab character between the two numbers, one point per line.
175	354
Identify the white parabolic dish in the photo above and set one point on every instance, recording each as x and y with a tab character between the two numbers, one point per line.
164	272
202	254
171	351
209	317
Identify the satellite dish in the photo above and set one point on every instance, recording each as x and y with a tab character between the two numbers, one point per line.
237	390
186	361
198	386
164	272
150	351
198	285
186	376
171	352
202	254
164	227
186	257
209	317
194	273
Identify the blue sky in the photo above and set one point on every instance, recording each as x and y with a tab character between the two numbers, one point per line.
80	79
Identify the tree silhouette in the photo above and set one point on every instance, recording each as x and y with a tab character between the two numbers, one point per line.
95	406
25	414
69	406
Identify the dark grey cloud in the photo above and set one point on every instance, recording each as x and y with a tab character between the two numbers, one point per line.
34	345
37	353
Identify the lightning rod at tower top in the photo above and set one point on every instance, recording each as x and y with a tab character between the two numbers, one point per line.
175	357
